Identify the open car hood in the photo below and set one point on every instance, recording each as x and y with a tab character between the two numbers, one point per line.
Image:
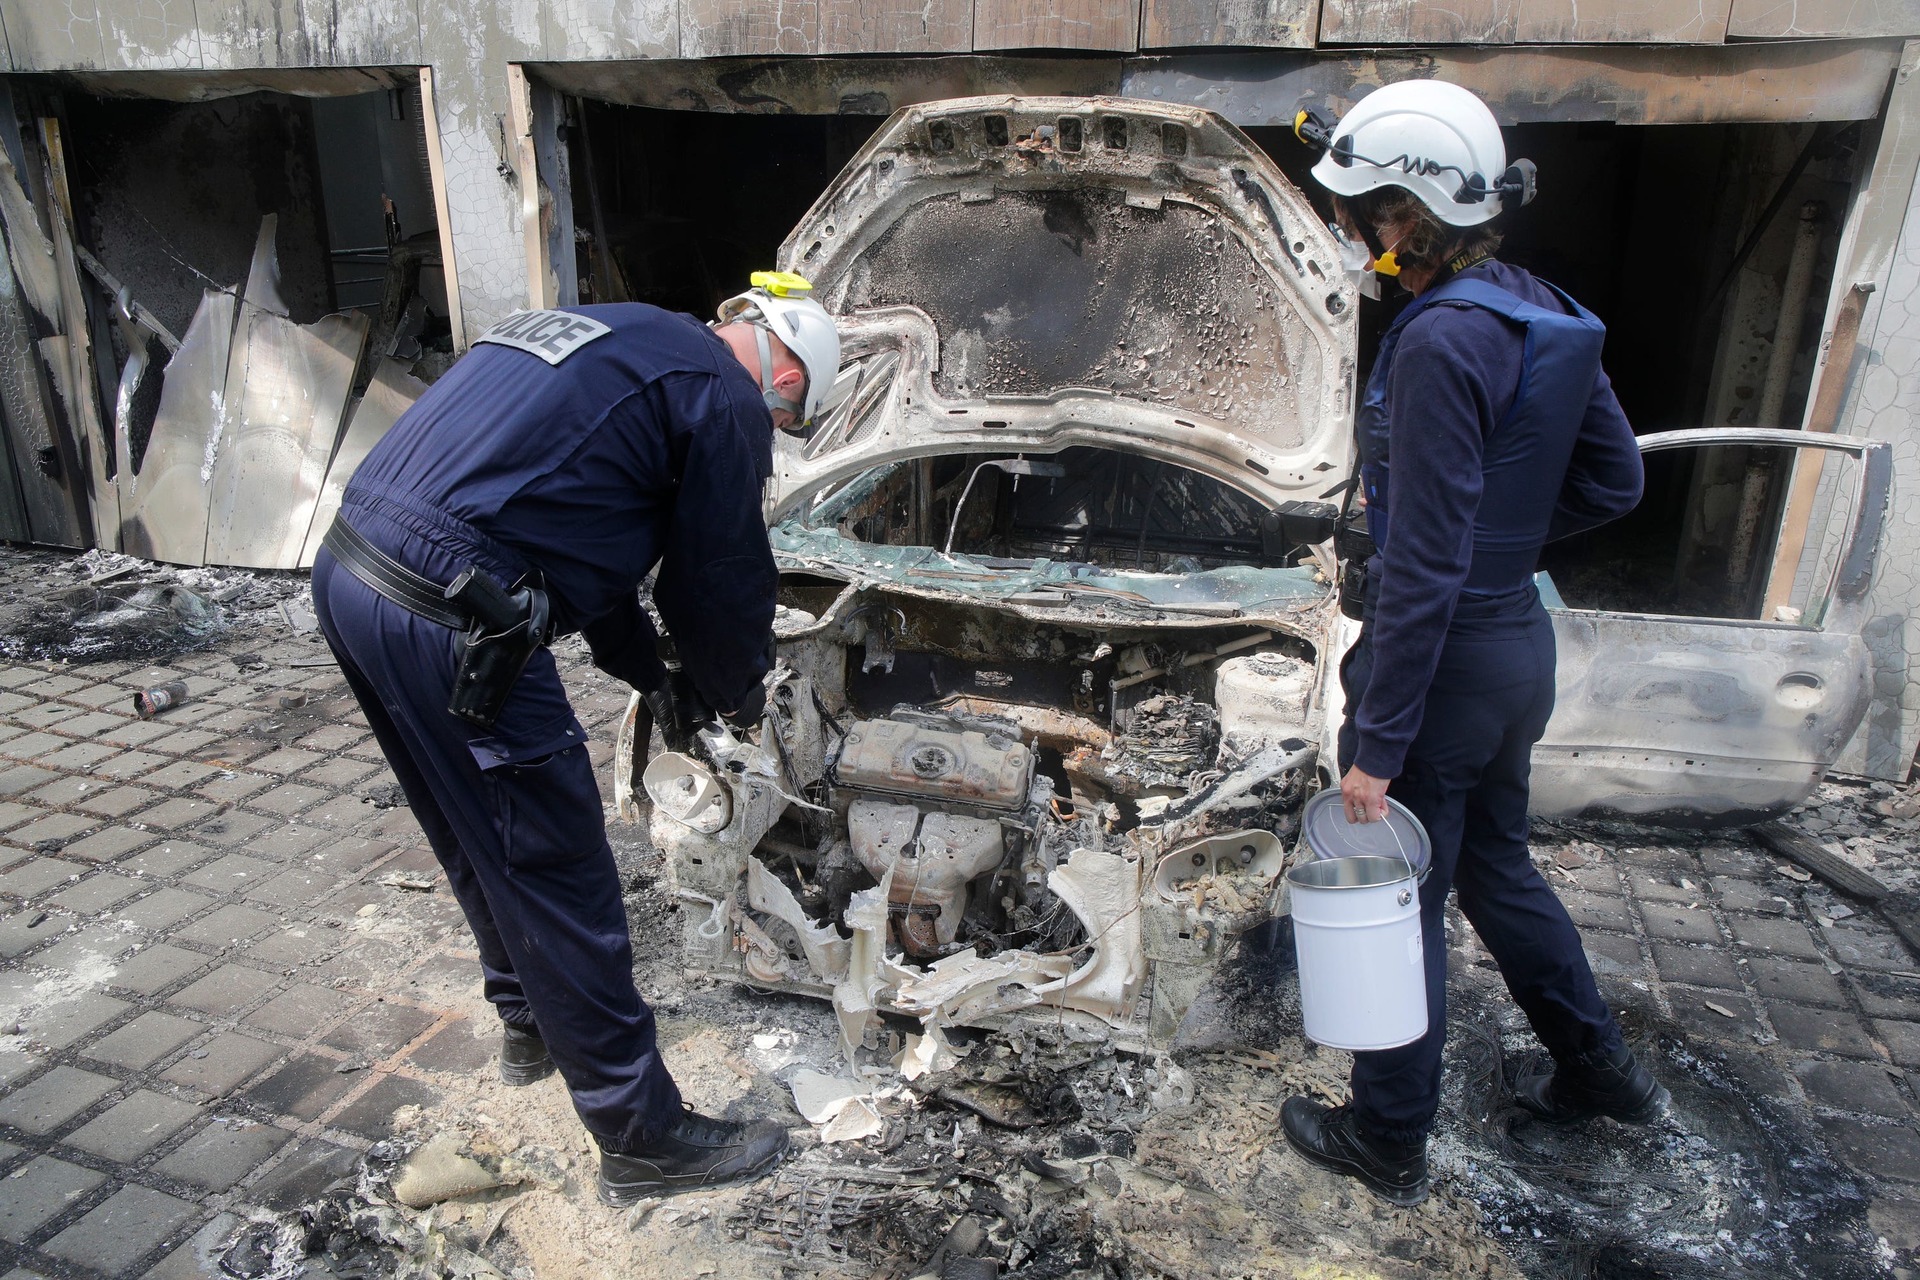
1021	275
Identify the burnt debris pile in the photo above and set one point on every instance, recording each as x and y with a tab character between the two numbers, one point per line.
102	607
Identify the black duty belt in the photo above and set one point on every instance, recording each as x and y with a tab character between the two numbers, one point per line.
501	628
411	591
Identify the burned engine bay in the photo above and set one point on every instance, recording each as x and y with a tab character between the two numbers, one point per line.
1023	815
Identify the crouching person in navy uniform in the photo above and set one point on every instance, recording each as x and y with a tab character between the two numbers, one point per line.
1486	430
526	495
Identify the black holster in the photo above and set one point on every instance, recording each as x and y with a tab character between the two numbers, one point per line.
1353	544
508	628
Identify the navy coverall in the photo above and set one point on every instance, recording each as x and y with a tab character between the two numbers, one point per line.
1487	429
648	443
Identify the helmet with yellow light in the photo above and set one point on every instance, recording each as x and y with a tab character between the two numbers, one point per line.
778	304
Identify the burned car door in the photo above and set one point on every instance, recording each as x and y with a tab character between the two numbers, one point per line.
1718	721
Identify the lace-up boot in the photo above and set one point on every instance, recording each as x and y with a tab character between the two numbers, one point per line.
1333	1138
695	1151
523	1055
1591	1084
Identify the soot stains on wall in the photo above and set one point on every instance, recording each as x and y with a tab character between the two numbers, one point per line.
171	195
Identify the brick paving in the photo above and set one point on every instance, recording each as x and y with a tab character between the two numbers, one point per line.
185	964
208	1004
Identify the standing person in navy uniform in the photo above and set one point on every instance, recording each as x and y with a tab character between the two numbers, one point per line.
526	495
1489	411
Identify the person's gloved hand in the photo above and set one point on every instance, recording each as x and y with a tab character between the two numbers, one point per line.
678	711
752	707
660	709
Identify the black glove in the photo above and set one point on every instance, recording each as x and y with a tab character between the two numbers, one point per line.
659	713
678	711
752	707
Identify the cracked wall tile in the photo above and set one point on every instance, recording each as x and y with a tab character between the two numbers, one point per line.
364	34
50	35
1175	24
1801	19
1524	22
1054	24
254	33
761	28
150	35
607	30
471	46
1885	405
309	33
896	26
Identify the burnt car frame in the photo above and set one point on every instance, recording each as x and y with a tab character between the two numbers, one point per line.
1036	748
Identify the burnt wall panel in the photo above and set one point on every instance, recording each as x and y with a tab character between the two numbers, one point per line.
758	28
827	86
1801	19
156	35
1748	83
1056	24
47	36
1173	24
171	195
360	33
1524	21
254	33
307	33
609	30
896	26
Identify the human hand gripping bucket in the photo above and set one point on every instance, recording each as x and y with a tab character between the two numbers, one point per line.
1356	926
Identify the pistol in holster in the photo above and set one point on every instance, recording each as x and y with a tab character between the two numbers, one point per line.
508	628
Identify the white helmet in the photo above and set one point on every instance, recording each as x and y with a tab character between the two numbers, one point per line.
777	304
1435	139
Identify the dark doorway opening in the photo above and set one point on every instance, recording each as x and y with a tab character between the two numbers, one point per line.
679	207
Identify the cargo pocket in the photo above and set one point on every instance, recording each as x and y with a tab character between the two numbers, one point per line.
544	798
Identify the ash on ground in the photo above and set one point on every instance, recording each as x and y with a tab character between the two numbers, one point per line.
106	607
1874	825
359	1229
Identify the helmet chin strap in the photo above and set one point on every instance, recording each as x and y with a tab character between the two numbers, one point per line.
775	401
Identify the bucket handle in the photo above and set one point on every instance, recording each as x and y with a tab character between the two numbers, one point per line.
1405	896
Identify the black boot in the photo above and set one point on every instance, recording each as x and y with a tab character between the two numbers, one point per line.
523	1055
1591	1084
1332	1138
695	1152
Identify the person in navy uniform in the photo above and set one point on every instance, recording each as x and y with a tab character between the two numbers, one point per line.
526	495
1486	430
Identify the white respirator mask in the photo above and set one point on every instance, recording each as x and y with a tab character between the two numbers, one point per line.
1355	262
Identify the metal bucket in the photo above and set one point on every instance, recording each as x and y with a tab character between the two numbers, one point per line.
1356	933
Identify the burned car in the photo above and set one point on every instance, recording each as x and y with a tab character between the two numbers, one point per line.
1058	632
